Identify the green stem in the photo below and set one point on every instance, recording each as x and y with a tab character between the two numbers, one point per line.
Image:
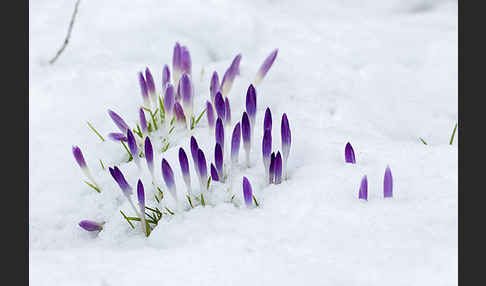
453	133
94	130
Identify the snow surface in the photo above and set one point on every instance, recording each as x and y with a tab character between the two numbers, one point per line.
379	74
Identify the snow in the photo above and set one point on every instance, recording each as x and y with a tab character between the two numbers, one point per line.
378	74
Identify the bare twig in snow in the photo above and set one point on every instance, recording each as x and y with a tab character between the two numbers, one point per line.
66	40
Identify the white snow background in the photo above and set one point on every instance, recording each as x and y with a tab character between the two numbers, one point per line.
378	74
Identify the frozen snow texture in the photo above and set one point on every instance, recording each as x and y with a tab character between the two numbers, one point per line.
376	73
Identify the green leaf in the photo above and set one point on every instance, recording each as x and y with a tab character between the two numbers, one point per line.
200	115
203	203
93	186
256	203
453	133
423	141
209	182
172	129
165	147
125	217
94	130
102	166
189	199
171	212
128	151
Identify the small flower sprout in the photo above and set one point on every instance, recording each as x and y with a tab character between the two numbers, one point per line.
116	136
246	134
168	176
219	106
271	172
278	168
149	156
230	74
227	112
219	132
132	145
124	186
143	88
150	86
214	86
363	189
266	150
179	114
169	100
214	173
267	121
388	183
89	225
187	97
267	64
78	155
203	170
141	204
176	63
218	160
251	105
143	122
119	122
247	192
194	154
235	144
286	141
186	175
210	115
165	76
349	154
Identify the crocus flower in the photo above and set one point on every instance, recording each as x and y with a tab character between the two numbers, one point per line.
266	150
219	106
251	105
214	173
218	159
78	155
388	183
187	97
149	156
246	134
179	113
230	74
143	121
90	225
186	64
186	175
176	62
214	86
141	204
203	171
267	64
235	144
219	132
210	114
227	111
169	102
150	85
349	154
271	169
194	149
132	146
119	122
278	168
267	121
286	140
116	136
247	192
165	76
120	180
168	176
363	189
144	89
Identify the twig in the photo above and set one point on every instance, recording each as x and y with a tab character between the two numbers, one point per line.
68	36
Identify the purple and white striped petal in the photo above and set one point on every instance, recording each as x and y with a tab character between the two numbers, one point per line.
120	179
176	62
143	121
149	155
168	176
267	120
132	145
78	155
210	114
169	100
89	225
267	64
186	175
218	158
150	84
247	192
271	172
214	173
388	183
235	143
144	89
251	103
186	94
140	194
266	150
227	111
349	154
246	134
219	105
214	86
179	113
165	76
286	142
363	189
116	136
119	122
194	149
278	168
219	132
201	164
186	63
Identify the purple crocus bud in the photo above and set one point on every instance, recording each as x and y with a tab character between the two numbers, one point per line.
247	192
150	84
388	183
219	105
140	193
132	145
214	86
143	121
363	189
286	141
278	168
169	100
119	122
267	121
235	65
116	136
186	63
230	74
149	155
214	173
78	155
210	114
266	150
186	175
271	169
178	93
235	143
251	104
90	225
202	167
144	89
120	179
168	176
194	149
186	94
179	112
218	158
176	62
227	112
165	76
219	132
349	154
246	134
267	64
